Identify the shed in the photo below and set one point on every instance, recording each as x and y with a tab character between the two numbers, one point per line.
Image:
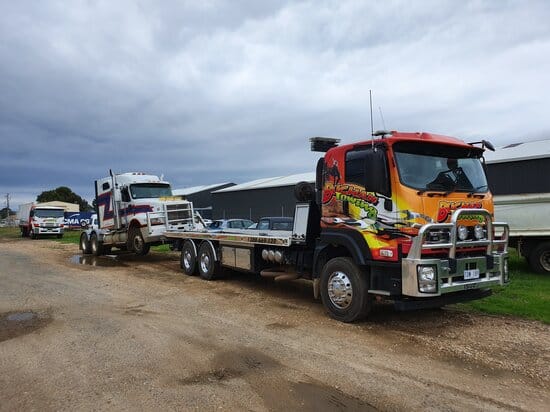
201	196
271	196
519	168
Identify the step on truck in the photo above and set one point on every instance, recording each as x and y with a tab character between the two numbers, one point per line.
133	211
37	220
406	217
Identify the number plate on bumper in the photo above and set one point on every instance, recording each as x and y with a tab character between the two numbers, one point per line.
471	274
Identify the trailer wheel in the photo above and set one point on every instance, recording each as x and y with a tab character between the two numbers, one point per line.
95	245
206	261
85	245
188	259
344	290
539	258
139	246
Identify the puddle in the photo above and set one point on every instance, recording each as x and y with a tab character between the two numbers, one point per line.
318	397
279	326
14	324
90	260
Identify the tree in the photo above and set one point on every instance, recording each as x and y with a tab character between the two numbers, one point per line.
63	194
5	212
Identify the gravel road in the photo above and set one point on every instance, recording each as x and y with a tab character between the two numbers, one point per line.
136	334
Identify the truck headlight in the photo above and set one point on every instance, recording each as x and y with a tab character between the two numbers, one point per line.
427	279
462	232
479	232
157	221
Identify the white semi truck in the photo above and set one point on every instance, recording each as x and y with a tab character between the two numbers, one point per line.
134	210
38	220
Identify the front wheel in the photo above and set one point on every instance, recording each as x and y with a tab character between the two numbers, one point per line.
188	260
344	290
137	243
85	245
539	258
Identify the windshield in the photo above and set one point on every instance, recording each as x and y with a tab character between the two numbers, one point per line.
49	213
150	190
440	168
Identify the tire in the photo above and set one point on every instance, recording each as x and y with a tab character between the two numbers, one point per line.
304	192
85	245
136	242
188	258
95	245
207	265
32	235
539	258
24	232
344	290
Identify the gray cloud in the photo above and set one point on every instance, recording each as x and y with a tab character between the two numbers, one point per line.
229	91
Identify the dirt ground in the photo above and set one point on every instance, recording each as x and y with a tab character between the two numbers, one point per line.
136	334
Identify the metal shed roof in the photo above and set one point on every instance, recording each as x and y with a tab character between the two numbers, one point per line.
186	191
271	182
519	151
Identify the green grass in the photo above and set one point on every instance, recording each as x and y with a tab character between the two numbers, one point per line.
527	295
10	232
161	248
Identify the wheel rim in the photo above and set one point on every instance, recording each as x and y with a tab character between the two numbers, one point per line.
205	263
138	243
545	260
187	259
94	245
340	291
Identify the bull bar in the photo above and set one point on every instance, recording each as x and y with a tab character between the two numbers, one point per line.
450	271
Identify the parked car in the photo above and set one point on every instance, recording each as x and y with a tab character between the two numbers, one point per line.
224	224
275	223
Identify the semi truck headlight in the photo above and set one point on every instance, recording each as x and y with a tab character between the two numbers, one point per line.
157	221
479	232
462	232
427	279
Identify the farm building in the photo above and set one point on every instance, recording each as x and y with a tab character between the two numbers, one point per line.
273	196
519	168
201	196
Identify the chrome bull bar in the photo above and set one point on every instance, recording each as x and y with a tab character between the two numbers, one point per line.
450	272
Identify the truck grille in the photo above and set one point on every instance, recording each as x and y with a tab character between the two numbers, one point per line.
179	213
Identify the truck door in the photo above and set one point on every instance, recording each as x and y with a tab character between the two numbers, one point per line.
124	206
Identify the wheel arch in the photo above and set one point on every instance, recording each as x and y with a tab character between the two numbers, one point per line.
340	243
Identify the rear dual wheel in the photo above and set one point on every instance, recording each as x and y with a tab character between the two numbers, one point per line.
85	245
539	258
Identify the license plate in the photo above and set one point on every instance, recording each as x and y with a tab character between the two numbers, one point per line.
471	274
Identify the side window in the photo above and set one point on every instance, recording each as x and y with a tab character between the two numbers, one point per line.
263	225
355	166
125	194
105	186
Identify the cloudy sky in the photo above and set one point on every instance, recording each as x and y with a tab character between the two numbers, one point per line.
211	91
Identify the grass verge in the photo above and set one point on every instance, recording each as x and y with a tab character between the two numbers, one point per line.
527	295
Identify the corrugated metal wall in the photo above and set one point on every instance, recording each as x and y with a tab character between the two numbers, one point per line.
525	176
254	203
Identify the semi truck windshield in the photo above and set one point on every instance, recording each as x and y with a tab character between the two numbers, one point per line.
427	168
150	190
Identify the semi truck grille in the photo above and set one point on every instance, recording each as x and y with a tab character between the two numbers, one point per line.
179	213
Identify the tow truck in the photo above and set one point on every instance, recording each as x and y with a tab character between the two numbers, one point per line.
406	217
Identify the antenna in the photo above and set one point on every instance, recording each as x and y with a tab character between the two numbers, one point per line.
382	117
371	123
